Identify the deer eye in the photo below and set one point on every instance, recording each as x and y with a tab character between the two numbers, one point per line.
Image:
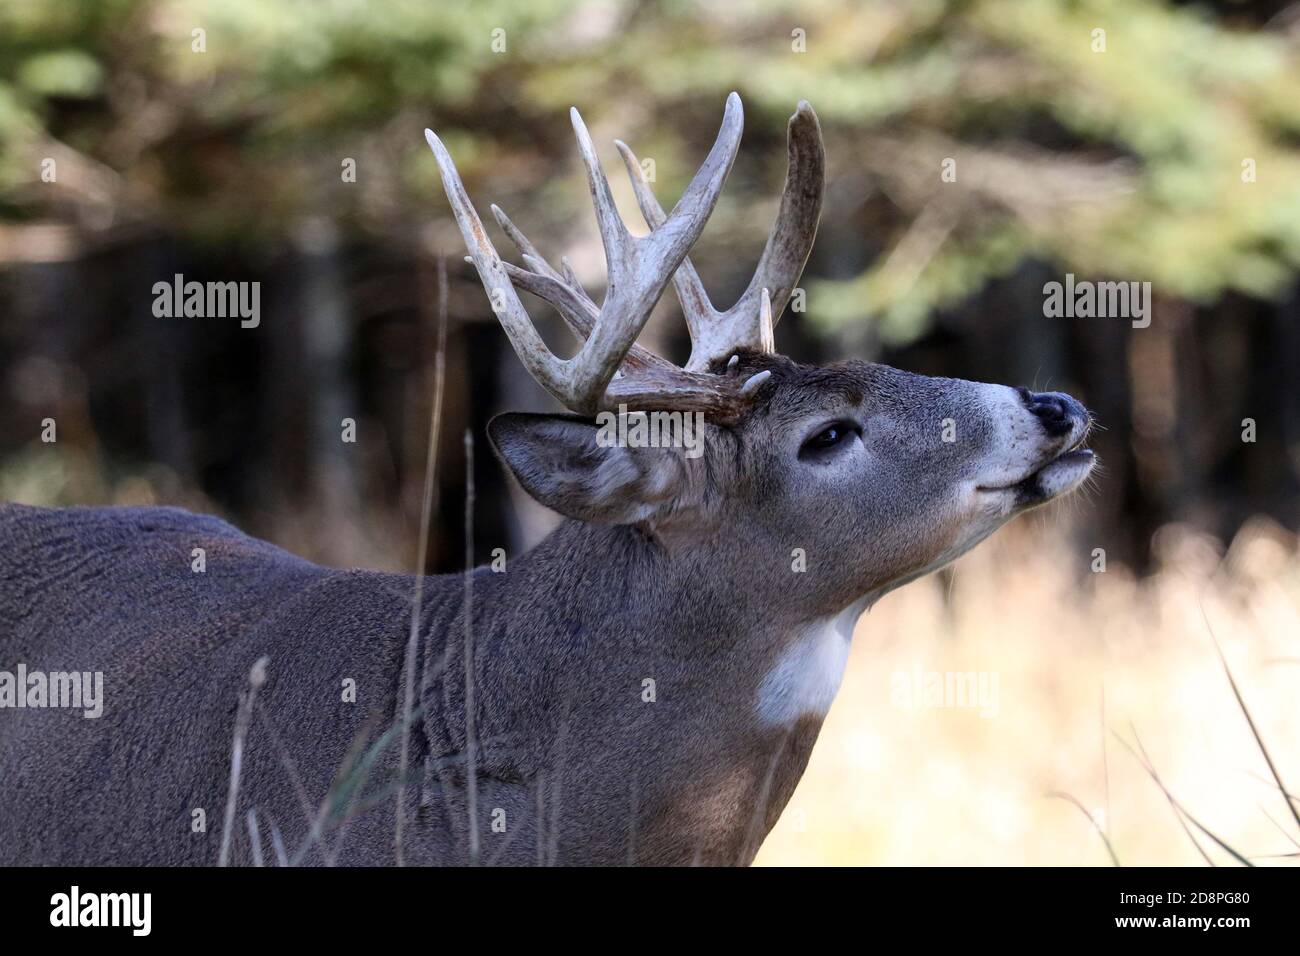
829	438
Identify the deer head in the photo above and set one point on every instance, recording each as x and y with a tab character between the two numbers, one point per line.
874	475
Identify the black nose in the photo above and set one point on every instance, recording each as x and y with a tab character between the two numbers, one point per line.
1057	411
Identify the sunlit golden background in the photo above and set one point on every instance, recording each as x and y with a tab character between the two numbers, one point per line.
1131	140
1078	663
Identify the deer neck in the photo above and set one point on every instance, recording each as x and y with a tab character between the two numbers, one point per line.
617	597
699	702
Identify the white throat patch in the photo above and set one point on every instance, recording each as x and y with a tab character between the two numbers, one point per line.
807	675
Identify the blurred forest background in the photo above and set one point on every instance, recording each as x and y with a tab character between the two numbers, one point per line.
280	141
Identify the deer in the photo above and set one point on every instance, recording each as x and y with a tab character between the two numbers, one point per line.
645	686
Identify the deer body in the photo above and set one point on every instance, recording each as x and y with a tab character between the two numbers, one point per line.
645	686
559	693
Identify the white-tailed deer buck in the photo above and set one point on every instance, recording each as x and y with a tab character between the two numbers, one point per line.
644	686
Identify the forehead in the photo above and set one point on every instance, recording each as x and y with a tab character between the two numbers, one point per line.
798	391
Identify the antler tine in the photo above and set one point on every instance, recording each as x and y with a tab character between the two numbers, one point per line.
580	314
572	277
795	228
640	268
526	248
542	365
573	290
618	242
698	311
573	304
713	332
564	292
766	340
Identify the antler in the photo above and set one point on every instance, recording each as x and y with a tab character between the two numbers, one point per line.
639	270
715	333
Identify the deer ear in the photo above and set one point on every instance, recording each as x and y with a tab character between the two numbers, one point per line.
562	462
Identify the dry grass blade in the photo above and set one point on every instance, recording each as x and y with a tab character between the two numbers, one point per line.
1273	783
295	778
1280	829
1259	741
254	837
755	834
348	795
540	783
560	747
256	678
467	613
290	767
426	518
338	795
1141	755
1105	761
277	844
631	821
1061	795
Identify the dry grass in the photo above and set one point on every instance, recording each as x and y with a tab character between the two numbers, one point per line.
945	785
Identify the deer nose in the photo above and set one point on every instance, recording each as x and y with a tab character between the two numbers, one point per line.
1058	412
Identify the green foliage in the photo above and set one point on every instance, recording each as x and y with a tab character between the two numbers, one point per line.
1125	163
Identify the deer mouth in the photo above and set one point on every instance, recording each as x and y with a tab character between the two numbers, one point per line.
1059	476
